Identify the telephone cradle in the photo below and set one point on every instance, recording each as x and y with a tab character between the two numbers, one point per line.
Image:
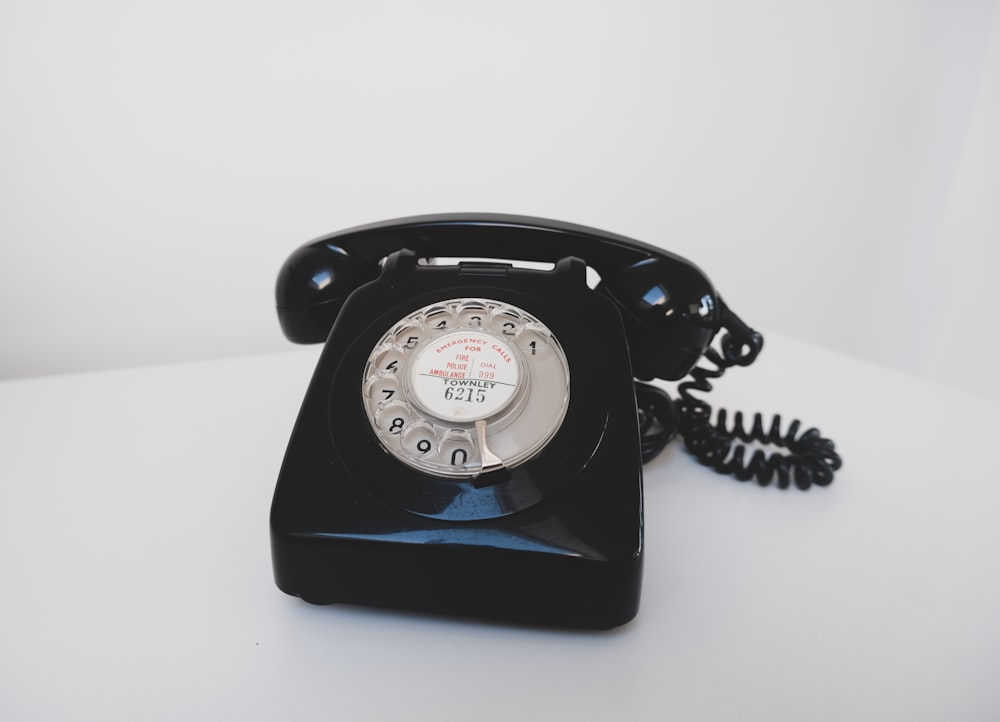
472	439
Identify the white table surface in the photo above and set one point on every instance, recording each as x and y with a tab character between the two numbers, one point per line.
137	580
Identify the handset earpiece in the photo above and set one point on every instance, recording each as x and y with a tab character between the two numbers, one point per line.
312	286
670	311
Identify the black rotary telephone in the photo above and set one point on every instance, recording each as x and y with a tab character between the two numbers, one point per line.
473	437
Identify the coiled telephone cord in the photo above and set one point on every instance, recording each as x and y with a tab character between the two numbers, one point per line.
810	458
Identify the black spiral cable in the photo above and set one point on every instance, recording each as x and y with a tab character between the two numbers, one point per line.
810	458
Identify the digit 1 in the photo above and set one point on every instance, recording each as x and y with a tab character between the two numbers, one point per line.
532	344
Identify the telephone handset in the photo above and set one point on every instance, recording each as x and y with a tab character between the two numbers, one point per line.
472	440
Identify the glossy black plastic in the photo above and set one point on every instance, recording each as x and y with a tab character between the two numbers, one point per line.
558	541
668	306
670	312
312	286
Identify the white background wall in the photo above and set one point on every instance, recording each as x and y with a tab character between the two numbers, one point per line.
834	166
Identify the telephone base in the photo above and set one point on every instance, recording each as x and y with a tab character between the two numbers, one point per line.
557	543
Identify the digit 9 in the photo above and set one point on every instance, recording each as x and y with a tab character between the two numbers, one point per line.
418	439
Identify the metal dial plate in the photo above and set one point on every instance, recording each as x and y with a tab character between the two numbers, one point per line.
466	386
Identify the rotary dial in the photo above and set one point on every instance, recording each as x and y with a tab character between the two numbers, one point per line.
466	386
